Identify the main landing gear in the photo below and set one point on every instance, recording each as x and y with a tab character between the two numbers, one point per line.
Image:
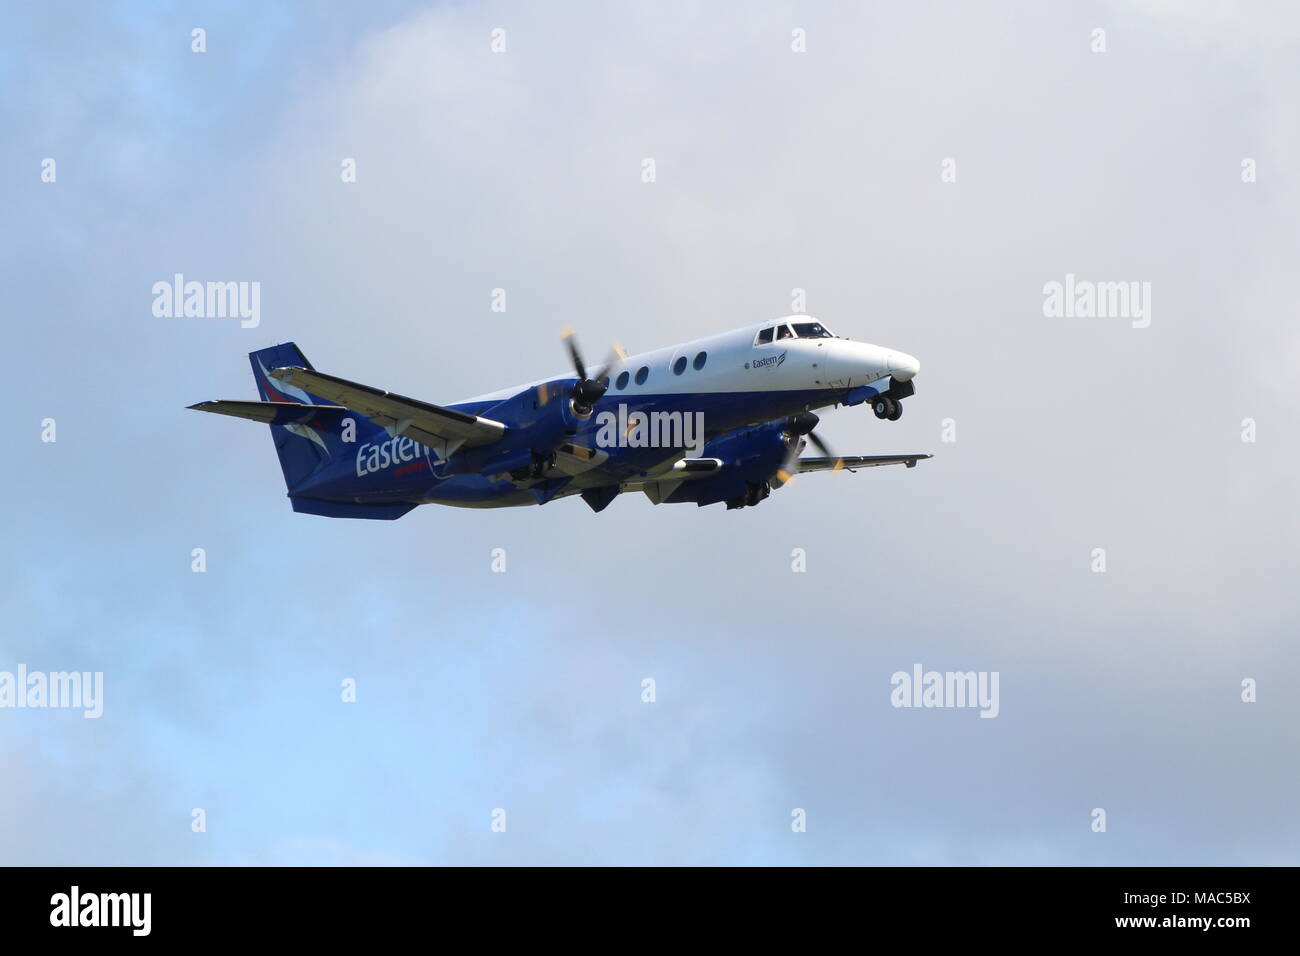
536	470
756	492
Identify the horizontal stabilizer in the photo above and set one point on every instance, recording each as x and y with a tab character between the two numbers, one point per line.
443	429
272	413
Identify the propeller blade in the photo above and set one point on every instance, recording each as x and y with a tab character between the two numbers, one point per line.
616	357
802	425
826	451
587	390
571	341
790	467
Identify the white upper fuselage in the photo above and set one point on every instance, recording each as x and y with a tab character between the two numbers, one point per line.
739	361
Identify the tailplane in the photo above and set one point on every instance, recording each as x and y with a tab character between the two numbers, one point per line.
309	433
314	436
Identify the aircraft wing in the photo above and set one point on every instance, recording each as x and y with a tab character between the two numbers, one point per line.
688	468
854	462
443	429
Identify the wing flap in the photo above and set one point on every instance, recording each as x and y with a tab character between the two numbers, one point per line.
572	459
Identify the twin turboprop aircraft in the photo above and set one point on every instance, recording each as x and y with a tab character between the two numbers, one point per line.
719	419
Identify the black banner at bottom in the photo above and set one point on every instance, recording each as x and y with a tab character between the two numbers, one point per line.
336	905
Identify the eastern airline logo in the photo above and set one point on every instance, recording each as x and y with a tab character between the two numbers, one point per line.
772	361
385	454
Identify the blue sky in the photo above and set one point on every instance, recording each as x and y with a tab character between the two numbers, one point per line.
818	171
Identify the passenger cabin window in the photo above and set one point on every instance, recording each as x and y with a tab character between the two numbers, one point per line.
641	374
679	366
783	332
811	330
621	382
700	359
764	337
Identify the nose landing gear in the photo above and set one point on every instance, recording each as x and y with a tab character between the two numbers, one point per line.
889	403
887	408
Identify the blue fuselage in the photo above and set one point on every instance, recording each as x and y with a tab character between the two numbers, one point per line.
389	469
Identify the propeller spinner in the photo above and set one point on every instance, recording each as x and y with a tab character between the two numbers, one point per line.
589	390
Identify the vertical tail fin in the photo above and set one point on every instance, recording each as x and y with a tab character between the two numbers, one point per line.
303	447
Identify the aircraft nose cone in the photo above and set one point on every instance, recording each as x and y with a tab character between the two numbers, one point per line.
902	366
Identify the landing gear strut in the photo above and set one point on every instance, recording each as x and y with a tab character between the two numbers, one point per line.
540	465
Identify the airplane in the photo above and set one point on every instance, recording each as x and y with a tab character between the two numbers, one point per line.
722	419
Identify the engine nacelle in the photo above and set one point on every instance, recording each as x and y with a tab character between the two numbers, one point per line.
541	419
750	458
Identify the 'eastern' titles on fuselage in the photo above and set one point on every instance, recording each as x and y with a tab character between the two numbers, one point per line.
372	458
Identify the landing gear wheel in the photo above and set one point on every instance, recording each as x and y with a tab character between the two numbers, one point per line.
886	407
